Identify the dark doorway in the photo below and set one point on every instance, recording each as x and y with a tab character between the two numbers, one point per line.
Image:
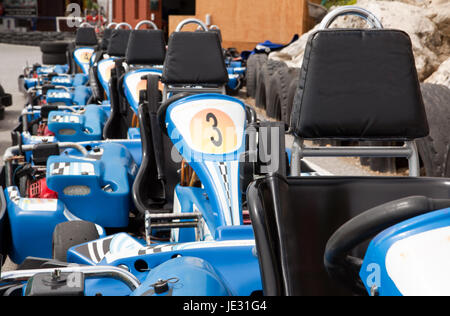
176	7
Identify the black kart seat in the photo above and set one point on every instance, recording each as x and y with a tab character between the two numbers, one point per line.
146	47
118	43
86	37
154	187
194	58
359	84
293	219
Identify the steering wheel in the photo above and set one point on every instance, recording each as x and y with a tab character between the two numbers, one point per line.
344	268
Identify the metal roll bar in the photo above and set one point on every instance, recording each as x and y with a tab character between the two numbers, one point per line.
191	21
118	26
146	22
86	24
111	25
89	272
371	19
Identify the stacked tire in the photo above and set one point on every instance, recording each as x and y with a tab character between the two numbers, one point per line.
5	101
54	53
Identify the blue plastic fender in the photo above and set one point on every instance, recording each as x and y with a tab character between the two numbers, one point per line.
83	57
411	258
32	222
70	127
189	277
96	188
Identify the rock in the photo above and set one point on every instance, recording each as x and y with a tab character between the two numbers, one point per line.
442	75
426	22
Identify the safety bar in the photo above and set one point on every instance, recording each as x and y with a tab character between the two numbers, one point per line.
111	25
191	21
371	19
146	22
118	26
115	273
86	24
408	151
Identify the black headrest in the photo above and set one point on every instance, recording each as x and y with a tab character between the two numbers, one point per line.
86	37
146	47
359	84
106	38
194	58
118	43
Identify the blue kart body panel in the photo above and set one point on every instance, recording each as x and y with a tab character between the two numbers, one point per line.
216	166
78	96
133	84
96	188
59	69
421	245
82	57
104	73
227	267
70	127
107	178
69	81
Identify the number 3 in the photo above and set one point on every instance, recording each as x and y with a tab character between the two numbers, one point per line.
215	142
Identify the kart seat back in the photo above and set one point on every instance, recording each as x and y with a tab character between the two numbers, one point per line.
372	94
118	43
146	47
151	192
359	85
293	218
86	37
195	58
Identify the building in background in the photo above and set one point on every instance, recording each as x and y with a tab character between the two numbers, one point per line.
243	23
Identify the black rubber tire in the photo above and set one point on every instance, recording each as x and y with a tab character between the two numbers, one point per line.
54	59
293	87
261	59
263	83
54	47
434	150
69	234
278	102
250	76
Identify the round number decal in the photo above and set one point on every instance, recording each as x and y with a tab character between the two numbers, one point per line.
213	132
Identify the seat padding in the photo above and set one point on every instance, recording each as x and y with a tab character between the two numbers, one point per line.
86	37
359	84
118	43
146	47
194	58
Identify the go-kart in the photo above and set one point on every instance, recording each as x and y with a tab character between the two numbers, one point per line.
294	217
193	229
94	122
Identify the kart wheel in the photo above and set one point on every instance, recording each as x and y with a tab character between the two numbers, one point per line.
263	83
260	60
69	234
251	75
54	59
286	116
54	47
434	150
278	102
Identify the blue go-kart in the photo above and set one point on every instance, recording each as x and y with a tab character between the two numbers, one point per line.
194	228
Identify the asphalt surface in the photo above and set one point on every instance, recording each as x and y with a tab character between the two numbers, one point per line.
14	58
